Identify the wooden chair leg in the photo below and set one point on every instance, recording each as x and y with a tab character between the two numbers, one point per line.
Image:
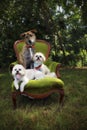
14	100
38	96
61	92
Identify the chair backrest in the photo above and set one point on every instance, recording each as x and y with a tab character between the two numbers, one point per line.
40	46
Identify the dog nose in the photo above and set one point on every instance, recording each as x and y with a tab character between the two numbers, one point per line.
29	41
17	71
38	58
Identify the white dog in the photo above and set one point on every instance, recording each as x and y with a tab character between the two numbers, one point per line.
39	60
22	76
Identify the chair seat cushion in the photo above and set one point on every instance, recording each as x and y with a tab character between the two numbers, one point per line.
42	85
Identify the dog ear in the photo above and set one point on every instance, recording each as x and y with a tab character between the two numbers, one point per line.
23	70
22	35
44	58
33	31
13	72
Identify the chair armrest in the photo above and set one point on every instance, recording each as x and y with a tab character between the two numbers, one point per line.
53	66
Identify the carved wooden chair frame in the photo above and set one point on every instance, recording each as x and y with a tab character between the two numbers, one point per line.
60	91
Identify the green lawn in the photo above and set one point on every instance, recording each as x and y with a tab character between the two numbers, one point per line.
43	114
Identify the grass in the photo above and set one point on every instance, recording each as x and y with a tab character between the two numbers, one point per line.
43	114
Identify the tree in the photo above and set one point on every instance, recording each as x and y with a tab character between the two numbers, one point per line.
61	22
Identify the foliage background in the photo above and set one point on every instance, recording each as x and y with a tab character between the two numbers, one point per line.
63	23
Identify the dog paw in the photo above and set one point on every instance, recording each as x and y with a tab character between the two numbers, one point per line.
17	87
21	89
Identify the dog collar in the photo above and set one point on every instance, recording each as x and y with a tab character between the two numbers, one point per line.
29	46
38	67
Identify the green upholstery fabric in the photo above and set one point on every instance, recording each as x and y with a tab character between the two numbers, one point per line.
20	46
39	47
42	85
51	65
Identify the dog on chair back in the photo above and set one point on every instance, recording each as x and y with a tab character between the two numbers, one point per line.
26	55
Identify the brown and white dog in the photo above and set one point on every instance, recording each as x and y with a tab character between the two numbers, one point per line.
26	56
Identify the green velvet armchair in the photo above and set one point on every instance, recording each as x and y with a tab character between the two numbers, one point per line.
37	89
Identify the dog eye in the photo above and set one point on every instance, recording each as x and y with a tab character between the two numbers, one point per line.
19	69
26	36
40	56
30	35
15	69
